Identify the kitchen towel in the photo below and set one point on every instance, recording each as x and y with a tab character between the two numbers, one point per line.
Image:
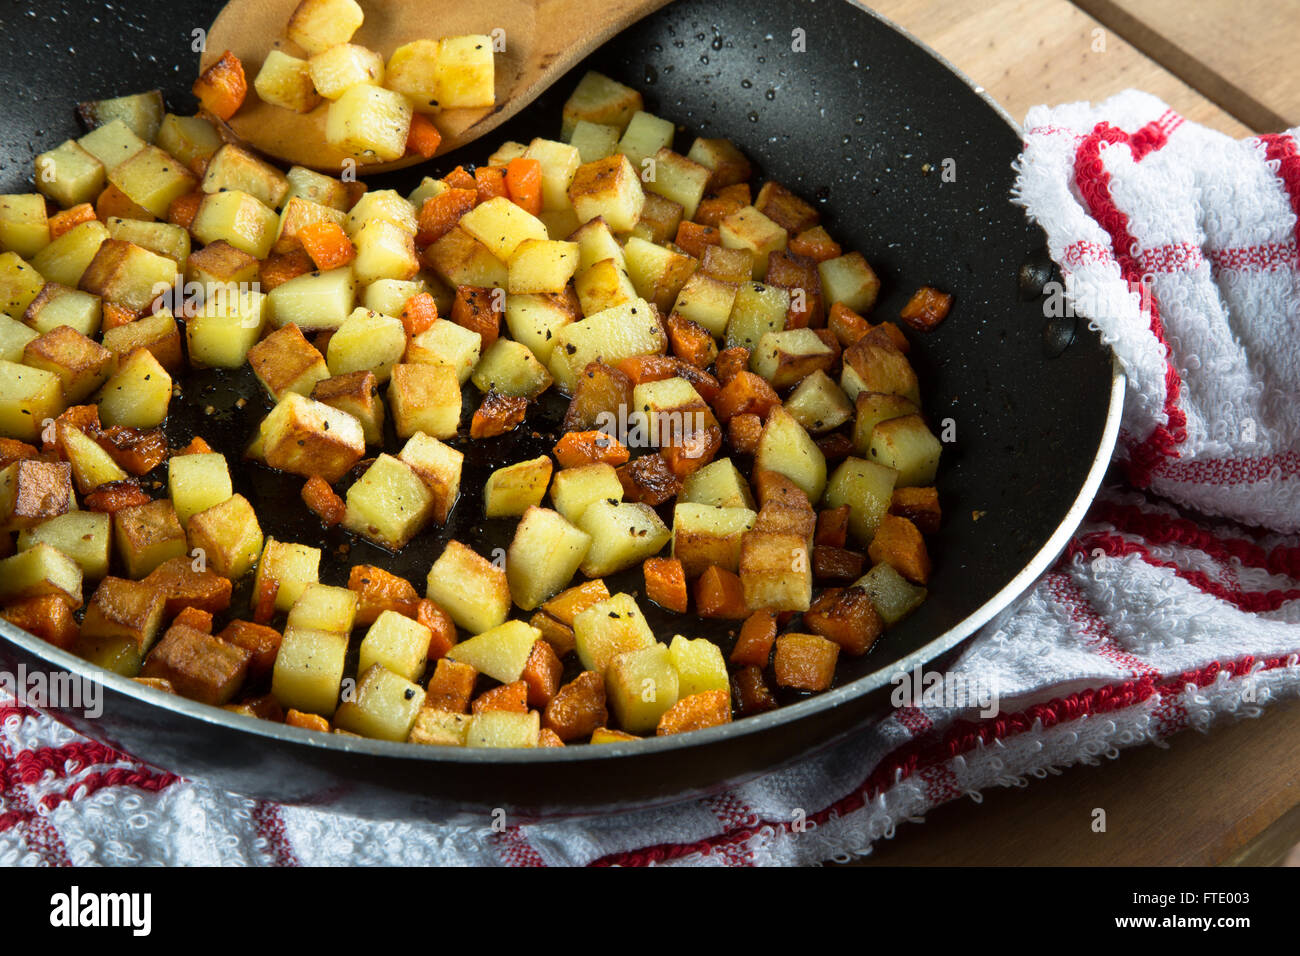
1177	604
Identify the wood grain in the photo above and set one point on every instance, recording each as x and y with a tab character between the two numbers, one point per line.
1240	56
1026	52
1230	797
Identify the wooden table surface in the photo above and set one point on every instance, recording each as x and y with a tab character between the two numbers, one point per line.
1230	797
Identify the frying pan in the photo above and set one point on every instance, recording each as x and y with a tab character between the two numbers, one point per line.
907	162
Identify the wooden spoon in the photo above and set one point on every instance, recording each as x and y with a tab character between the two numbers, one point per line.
543	39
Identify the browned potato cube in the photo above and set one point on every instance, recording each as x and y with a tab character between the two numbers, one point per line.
805	661
425	398
229	536
356	393
128	275
158	333
122	610
81	364
775	571
285	361
308	438
846	616
785	208
198	665
147	535
219	263
32	491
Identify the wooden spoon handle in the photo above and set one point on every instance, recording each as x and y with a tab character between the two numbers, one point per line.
573	28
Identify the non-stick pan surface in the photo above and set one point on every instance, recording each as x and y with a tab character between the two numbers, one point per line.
908	164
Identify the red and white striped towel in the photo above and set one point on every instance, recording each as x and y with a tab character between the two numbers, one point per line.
1151	622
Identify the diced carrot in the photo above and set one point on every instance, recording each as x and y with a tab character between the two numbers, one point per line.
440	625
296	718
115	315
511	697
196	618
718	594
424	137
113	496
736	192
693	237
458	178
648	368
831	563
665	583
691	342
419	313
450	686
264	600
607	735
379	590
926	309
691	452
261	641
751	692
47	616
186	587
183	209
222	87
833	527
754	642
744	432
746	393
919	506
711	212
730	361
846	616
327	244
649	480
439	213
847	325
898	543
199	165
835	447
475	309
578	708
815	244
542	674
61	222
113	203
559	636
197	446
12	450
323	502
277	270
589	448
490	182
524	184
805	661
710	708
546	737
497	415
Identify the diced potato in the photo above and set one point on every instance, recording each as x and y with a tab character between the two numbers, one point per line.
367	341
323	607
233	168
872	365
680	179
411	70
112	143
385	707
660	218
818	404
756	310
505	152
446	343
240	219
543	557
158	333
285	362
147	535
317	25
24	227
69	174
20	285
849	280
473	590
337	69
317	300
137	394
542	265
501	226
92	466
658	274
750	229
309	670
370	122
357	394
197	482
641	685
198	665
908	446
439	467
670	409
608	336
605	285
128	275
643	137
512	490
218	265
786	448
727	164
308	438
867	489
708	302
464	74
718	484
397	643
511	369
700	666
593	141
229	535
609	188
65	259
292	566
130	612
425	398
609	628
384	251
787	357
503	728
872	408
84	536
461	259
534	319
574	489
559	161
40	570
14	336
188	137
596	243
29	397
164	238
80	363
151	179
226	326
621	535
382	204
142	112
390	296
499	652
439	728
706	535
285	81
389	503
775	571
893	596
318	188
598	99
58	305
32	491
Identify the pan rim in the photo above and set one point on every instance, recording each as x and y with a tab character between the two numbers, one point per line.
1000	602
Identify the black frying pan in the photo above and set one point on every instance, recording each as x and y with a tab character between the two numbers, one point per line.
864	122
